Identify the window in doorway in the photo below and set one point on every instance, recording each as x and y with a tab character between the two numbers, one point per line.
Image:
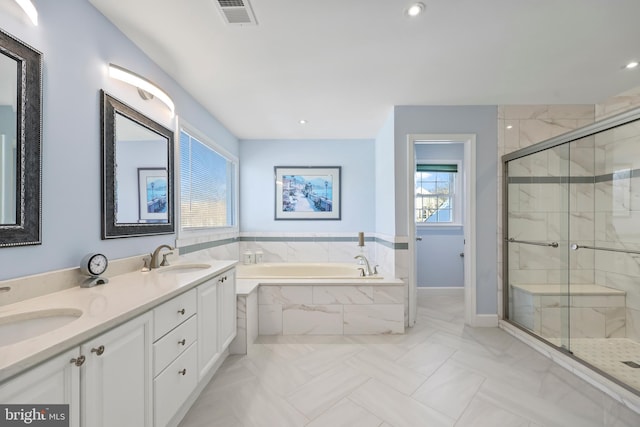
436	194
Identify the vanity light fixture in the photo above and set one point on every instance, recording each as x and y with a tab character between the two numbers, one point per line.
302	122
631	65
29	9
146	89
416	9
509	126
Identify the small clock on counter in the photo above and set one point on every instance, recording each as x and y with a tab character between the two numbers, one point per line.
93	265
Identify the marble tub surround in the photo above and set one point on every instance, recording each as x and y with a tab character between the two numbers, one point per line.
316	270
103	307
384	250
376	307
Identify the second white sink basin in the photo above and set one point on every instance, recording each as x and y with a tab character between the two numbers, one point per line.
183	268
19	327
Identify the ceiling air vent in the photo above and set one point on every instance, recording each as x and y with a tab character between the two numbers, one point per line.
236	12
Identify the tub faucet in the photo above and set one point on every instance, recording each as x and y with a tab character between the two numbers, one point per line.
367	269
154	256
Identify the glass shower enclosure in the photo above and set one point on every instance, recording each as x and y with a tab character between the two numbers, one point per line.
572	244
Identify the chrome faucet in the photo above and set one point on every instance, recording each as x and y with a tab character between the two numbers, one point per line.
154	256
367	270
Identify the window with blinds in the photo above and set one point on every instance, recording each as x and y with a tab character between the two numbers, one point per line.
207	186
435	193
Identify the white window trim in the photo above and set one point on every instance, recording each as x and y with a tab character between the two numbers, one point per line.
458	200
201	235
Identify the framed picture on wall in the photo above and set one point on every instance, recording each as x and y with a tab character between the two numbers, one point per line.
152	191
307	192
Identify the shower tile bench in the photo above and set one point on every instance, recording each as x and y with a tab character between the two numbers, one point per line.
596	311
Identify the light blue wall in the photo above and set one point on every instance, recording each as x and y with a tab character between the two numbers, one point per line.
438	254
478	120
77	43
438	261
385	181
257	192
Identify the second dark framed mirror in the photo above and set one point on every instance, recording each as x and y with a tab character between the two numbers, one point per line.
137	173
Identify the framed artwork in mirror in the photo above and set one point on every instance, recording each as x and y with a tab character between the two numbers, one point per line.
20	143
137	173
152	194
307	192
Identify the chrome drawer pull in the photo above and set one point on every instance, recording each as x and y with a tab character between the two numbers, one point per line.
182	342
78	361
182	311
98	350
183	372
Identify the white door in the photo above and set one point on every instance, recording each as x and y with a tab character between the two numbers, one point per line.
56	381
116	381
207	325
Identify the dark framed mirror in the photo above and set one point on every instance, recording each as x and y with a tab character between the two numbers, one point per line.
20	143
137	172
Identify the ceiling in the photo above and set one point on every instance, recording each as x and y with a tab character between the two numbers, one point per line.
342	64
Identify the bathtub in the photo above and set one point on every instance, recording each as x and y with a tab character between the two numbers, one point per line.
284	270
316	299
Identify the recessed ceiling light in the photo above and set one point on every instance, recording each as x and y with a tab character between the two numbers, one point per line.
302	122
632	64
415	9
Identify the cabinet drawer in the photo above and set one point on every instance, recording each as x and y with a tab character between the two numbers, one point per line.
167	348
174	385
173	312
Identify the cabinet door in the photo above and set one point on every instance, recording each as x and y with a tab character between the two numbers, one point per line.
116	380
56	381
228	307
207	325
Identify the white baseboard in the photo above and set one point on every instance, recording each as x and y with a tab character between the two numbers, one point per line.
485	321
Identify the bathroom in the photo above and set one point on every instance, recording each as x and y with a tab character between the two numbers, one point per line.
374	171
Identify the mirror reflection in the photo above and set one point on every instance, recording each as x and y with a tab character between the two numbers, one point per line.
141	174
20	143
8	140
137	172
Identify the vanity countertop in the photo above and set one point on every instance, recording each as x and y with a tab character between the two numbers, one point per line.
103	307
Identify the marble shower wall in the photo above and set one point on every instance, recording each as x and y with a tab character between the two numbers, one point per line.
539	205
617	215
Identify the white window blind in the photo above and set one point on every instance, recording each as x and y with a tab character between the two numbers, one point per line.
207	181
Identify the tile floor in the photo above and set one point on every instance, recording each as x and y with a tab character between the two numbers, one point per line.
441	373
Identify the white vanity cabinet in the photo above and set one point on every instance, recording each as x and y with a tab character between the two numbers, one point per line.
175	355
216	319
106	381
56	381
116	376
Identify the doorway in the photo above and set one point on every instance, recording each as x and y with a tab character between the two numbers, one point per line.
453	225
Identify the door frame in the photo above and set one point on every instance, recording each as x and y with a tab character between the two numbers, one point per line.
469	200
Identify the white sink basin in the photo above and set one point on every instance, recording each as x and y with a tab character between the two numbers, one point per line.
183	268
19	327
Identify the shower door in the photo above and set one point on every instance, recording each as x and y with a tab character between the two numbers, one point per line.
536	243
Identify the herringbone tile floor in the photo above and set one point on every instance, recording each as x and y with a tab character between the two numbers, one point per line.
440	373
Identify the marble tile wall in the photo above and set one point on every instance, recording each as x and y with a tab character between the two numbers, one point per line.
617	213
603	214
330	310
537	209
618	104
